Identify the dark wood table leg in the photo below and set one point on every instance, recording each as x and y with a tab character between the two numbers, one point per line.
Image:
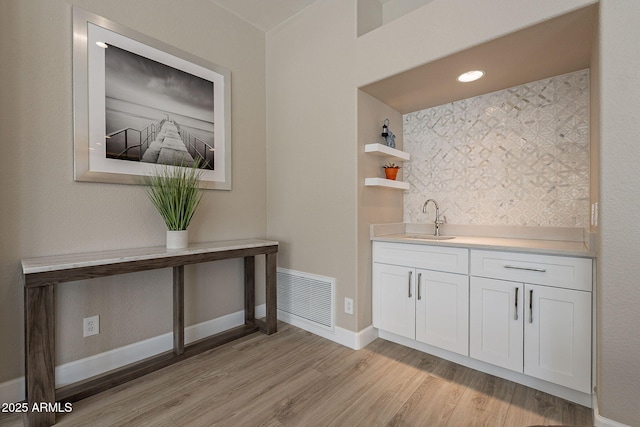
272	288
249	290
178	310
39	325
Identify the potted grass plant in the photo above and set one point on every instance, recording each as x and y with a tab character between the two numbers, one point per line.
175	192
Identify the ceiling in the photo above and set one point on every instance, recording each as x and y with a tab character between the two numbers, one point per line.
263	14
554	47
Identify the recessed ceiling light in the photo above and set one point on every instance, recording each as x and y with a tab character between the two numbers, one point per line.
102	45
470	76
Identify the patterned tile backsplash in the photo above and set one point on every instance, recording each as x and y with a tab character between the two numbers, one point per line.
519	156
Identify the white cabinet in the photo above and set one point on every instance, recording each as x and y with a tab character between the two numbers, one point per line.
557	331
543	331
394	307
527	313
442	310
418	303
496	333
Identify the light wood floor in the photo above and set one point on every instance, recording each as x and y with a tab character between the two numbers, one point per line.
295	378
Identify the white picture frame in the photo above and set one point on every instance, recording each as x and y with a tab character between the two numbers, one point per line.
123	89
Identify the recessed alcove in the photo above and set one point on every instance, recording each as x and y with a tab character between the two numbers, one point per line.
555	47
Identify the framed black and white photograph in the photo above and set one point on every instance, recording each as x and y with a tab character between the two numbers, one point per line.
139	102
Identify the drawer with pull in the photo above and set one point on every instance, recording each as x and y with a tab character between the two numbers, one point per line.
439	258
559	271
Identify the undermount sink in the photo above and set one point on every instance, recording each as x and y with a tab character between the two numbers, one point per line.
428	237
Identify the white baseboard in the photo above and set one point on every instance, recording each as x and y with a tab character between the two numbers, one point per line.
14	390
599	420
354	340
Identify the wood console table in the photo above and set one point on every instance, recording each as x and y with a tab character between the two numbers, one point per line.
41	275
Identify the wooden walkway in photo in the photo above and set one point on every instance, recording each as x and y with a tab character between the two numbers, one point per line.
168	148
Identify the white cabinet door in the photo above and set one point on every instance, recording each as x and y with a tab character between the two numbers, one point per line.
442	310
558	336
495	327
394	300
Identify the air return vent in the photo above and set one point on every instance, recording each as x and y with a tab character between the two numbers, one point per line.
306	296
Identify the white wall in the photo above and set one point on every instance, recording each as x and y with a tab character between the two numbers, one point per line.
375	205
594	130
618	288
44	212
311	151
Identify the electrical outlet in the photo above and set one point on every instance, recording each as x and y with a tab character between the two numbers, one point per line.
348	305
91	326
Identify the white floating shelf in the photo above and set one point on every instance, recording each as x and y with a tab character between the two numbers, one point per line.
383	150
389	183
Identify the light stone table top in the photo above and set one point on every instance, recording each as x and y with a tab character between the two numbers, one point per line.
91	259
542	240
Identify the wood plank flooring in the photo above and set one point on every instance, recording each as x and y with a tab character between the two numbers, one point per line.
295	378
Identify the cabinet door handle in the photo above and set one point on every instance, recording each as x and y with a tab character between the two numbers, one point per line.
515	316
531	306
515	267
418	284
409	283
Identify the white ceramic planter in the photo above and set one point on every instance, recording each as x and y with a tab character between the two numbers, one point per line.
178	239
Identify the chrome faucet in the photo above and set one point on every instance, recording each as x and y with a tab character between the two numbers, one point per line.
437	222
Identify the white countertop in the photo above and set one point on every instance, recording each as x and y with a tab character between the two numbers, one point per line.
90	259
552	241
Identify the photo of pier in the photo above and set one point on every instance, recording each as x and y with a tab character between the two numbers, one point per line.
155	113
